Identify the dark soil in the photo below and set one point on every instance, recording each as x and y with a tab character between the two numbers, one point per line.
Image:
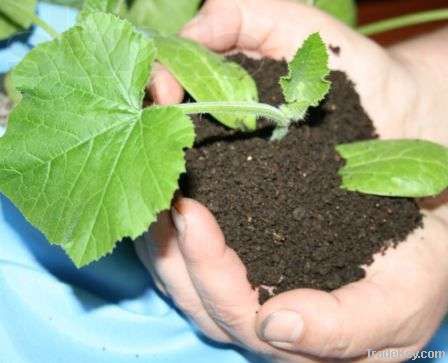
280	204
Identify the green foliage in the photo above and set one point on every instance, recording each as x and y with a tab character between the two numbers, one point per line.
81	159
401	168
305	85
15	16
344	10
167	17
71	3
208	77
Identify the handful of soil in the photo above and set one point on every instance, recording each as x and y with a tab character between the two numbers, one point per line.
280	204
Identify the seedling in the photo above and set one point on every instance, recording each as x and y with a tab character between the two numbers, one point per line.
88	165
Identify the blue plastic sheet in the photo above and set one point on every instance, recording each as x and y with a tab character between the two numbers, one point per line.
107	312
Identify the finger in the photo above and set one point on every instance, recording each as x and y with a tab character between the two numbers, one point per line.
217	272
164	258
165	90
142	250
376	313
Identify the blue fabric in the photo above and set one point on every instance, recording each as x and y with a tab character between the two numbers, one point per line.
107	312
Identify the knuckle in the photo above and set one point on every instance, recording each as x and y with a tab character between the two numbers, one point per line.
186	301
228	317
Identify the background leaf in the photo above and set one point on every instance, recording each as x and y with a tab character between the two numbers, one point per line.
167	17
343	10
80	158
306	84
117	7
207	76
15	16
71	3
401	168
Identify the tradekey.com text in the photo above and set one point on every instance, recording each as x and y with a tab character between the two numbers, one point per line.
399	354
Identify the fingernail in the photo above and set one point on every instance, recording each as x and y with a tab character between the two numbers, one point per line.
179	221
281	327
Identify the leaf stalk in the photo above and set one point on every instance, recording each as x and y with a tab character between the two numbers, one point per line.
403	21
44	25
258	109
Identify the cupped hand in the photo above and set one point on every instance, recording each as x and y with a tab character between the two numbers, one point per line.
403	298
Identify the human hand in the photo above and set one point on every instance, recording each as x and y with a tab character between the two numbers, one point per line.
398	305
400	302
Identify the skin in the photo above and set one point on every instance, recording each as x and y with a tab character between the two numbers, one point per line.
403	298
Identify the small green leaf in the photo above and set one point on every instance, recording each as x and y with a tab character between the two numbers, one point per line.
116	7
166	17
80	158
208	77
400	168
306	84
344	10
15	16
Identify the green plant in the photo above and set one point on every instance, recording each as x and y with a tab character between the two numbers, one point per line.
88	165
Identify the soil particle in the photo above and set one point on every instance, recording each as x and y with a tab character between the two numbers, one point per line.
336	50
280	204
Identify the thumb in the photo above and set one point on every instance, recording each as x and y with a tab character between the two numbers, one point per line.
343	324
216	271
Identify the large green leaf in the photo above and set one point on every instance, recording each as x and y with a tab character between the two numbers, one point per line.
164	16
401	168
208	77
80	158
15	16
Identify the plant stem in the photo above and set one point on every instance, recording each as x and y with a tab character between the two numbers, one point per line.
258	109
403	21
44	25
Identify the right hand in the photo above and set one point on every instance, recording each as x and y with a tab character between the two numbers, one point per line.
191	263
